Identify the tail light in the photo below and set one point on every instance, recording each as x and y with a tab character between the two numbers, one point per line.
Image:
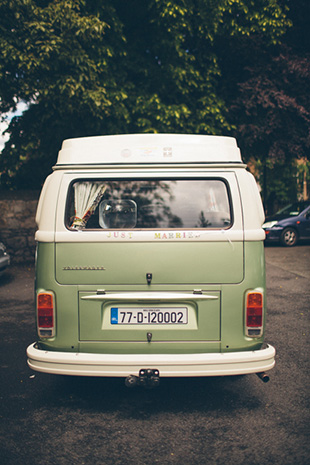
254	314
46	314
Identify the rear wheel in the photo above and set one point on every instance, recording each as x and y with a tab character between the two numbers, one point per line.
289	237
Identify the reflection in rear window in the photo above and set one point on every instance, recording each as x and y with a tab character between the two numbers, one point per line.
148	204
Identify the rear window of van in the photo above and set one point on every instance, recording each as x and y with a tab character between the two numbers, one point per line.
148	204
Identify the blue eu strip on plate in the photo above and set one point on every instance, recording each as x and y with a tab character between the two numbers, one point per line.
114	316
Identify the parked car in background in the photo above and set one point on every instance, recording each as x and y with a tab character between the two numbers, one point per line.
4	258
289	225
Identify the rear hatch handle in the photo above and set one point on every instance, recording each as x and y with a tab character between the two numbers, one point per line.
149	296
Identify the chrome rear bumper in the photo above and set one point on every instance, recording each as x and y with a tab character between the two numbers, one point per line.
169	365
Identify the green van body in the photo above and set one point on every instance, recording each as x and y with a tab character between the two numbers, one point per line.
179	293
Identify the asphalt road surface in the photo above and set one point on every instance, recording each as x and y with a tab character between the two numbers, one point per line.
58	420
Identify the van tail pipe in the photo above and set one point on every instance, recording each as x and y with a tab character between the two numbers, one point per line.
150	378
263	376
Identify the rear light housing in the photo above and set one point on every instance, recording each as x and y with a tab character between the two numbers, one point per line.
46	314
254	314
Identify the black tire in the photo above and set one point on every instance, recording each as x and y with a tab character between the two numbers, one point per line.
289	237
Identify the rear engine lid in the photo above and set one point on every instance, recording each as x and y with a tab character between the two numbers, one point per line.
169	263
149	317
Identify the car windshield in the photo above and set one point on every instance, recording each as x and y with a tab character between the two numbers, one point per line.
148	204
293	209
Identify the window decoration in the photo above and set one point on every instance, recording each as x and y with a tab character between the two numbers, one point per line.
87	196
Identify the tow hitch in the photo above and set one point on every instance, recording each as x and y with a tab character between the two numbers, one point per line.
148	377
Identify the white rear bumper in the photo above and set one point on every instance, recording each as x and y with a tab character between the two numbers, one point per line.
169	365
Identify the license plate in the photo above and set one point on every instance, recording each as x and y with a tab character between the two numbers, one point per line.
149	316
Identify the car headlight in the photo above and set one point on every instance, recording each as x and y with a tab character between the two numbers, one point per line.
269	224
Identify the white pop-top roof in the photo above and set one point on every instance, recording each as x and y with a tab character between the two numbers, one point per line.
149	148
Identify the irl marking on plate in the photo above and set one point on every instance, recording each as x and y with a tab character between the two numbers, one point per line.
114	316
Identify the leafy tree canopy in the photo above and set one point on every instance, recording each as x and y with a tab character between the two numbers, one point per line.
93	67
269	103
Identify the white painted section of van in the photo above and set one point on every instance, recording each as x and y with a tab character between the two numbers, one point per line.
235	233
47	208
149	148
169	365
253	211
42	199
246	201
161	235
145	236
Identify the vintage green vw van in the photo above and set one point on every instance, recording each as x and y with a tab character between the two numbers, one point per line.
150	261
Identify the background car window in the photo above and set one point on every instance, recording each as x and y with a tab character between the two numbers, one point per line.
293	209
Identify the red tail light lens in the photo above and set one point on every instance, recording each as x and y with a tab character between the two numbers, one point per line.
254	314
46	314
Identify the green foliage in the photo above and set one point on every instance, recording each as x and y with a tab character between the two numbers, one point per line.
87	67
63	60
269	102
254	18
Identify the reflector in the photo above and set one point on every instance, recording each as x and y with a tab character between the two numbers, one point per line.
254	309
45	312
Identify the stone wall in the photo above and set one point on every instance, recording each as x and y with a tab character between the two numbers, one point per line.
17	226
